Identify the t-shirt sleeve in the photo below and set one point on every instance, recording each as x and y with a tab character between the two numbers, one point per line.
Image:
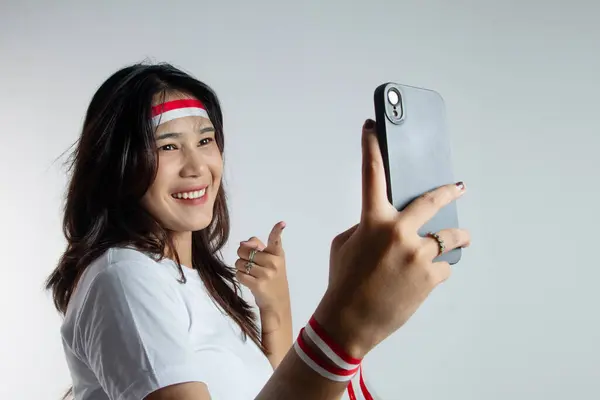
132	331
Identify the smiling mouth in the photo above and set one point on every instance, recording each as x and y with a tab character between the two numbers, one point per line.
196	194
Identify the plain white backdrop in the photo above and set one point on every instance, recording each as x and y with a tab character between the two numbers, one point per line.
518	319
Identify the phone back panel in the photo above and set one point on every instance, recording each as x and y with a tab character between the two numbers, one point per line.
416	152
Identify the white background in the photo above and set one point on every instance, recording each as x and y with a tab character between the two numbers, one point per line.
518	319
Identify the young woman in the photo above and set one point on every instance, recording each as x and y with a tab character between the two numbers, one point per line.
151	310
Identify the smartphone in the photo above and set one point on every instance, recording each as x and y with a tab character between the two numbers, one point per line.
414	142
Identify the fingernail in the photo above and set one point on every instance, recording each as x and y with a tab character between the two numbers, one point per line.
369	124
460	185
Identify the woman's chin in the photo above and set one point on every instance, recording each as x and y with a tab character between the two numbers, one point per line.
190	224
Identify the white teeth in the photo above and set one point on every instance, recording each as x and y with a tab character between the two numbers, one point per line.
190	195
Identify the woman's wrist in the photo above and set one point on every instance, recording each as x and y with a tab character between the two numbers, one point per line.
273	320
341	324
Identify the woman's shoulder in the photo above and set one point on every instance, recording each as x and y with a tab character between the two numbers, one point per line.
123	262
123	286
119	270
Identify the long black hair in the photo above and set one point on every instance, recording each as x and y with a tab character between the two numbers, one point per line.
113	165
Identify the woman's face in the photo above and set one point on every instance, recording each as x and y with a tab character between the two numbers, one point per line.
190	167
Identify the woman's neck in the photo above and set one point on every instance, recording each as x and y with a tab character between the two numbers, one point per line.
183	246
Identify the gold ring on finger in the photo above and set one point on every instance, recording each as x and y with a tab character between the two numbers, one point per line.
440	242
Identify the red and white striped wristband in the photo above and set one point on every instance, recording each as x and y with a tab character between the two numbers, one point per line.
319	365
331	349
357	388
344	367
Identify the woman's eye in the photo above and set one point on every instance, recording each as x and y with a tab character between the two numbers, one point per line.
206	141
168	147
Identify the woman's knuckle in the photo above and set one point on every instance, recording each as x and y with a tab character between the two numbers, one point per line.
454	238
413	255
370	166
399	232
422	252
337	242
457	238
430	197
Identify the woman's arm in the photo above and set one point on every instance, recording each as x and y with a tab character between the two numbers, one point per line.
293	379
277	336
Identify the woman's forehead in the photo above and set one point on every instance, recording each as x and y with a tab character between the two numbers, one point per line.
185	124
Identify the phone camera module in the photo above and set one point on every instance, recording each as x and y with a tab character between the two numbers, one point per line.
394	107
393	96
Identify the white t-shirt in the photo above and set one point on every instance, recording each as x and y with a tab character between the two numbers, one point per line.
132	328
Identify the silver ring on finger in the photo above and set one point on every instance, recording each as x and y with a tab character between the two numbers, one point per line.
440	242
249	266
252	254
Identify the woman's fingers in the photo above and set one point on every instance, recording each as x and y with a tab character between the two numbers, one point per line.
254	242
247	280
375	203
260	257
425	207
451	239
256	270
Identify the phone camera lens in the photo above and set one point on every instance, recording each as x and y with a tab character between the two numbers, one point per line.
393	97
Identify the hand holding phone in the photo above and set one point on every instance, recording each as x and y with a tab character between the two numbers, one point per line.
414	142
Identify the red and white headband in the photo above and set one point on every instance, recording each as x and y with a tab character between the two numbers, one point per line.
171	110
